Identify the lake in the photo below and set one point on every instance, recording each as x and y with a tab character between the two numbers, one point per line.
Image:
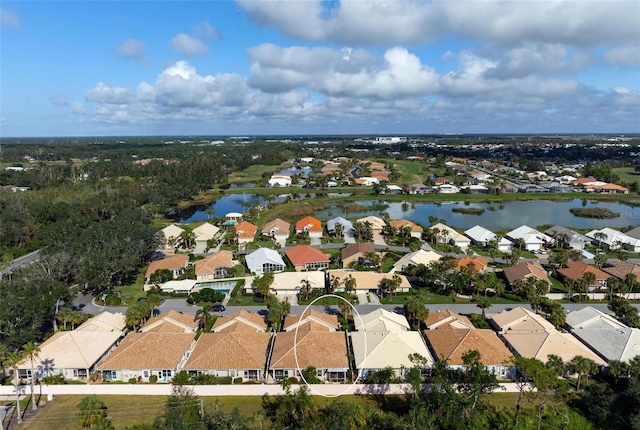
497	216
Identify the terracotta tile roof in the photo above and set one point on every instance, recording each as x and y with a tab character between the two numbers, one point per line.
520	319
320	349
240	321
577	269
245	230
356	248
152	351
479	263
309	223
401	223
237	350
447	319
170	322
525	269
304	254
325	321
620	269
277	227
453	344
540	344
174	262
383	176
584	180
212	262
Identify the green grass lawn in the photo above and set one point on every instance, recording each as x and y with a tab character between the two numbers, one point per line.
131	293
253	173
627	174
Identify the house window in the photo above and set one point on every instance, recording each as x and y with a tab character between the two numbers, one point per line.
279	374
145	373
337	376
110	375
232	373
319	373
80	373
251	375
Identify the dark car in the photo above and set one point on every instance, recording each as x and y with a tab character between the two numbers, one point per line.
218	308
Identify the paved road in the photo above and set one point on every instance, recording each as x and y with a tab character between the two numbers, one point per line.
84	303
19	262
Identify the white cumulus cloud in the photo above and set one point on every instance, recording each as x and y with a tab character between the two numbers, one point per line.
189	46
623	56
204	30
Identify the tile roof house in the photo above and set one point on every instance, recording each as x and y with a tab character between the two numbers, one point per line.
635	233
620	269
375	350
475	263
309	225
381	320
170	322
518	319
264	260
540	344
245	232
368	281
304	257
324	350
416	230
377	224
576	270
183	286
175	264
453	344
355	253
204	233
72	354
320	321
215	266
103	322
524	270
171	233
567	237
347	226
447	319
289	283
141	355
240	321
480	235
533	239
450	236
415	259
230	354
278	230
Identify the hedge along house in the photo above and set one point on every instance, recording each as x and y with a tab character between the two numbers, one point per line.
141	355
238	354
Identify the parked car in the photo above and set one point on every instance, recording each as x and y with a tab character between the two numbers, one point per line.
218	308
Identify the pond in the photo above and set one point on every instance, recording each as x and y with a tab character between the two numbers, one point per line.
302	171
497	216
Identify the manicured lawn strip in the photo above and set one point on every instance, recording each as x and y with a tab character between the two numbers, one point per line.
254	173
131	293
627	174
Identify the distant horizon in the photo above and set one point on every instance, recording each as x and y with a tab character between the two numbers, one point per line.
301	135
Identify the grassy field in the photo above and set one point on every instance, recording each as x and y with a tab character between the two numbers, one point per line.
125	411
627	174
254	173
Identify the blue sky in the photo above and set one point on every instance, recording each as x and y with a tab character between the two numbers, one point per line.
85	68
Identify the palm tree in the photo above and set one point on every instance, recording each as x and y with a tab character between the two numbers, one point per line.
305	289
349	284
483	304
334	283
153	300
583	366
203	316
32	350
11	362
416	308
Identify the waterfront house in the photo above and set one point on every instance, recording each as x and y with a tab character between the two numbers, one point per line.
215	266
567	238
448	235
531	239
279	181
309	225
377	224
245	233
347	226
304	257
204	233
399	225
480	235
614	239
